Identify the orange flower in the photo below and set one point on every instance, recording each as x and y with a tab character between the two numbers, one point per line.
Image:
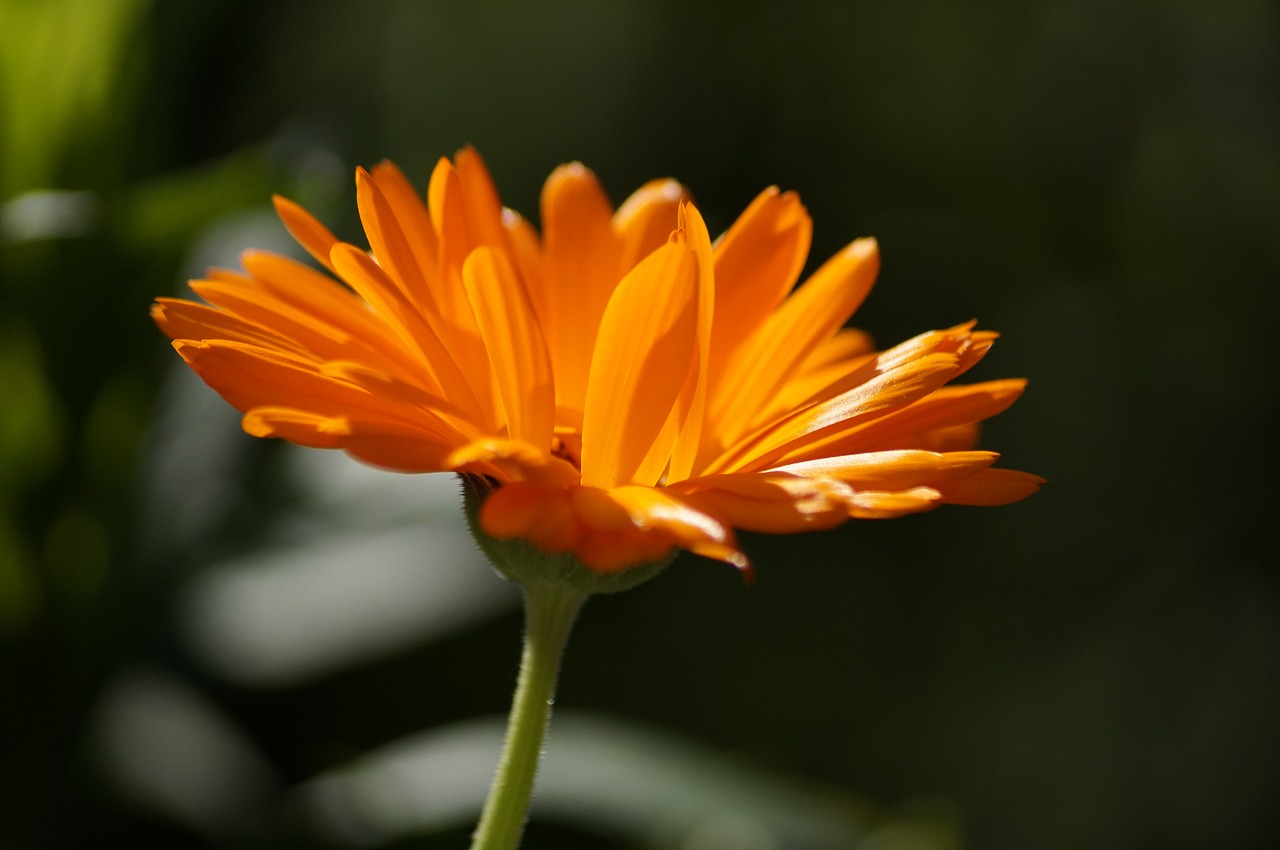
620	385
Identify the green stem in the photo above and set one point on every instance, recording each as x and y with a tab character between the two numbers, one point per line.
549	613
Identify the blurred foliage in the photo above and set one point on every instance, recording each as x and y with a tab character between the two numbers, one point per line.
187	662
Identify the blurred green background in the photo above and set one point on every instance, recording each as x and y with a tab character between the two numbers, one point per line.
211	642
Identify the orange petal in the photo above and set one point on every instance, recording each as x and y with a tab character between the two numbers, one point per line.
256	305
757	261
761	366
305	228
611	553
990	487
482	206
528	462
840	348
581	270
773	503
389	244
249	376
395	450
684	454
806	433
646	219
648	337
410	211
947	407
526	253
449	217
893	470
957	438
869	504
538	513
180	319
366	277
515	345
327	301
297	426
633	525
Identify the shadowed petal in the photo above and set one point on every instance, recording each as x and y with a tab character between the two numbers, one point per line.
990	487
515	346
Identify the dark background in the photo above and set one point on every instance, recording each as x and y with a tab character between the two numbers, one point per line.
1098	666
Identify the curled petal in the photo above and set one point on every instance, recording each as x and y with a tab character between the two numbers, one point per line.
894	470
607	529
297	426
871	504
771	503
520	460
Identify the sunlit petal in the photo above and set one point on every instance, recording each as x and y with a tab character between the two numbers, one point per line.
582	267
648	338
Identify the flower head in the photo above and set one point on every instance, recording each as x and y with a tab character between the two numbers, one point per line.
622	385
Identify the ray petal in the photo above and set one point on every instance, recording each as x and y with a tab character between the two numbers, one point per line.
773	503
806	433
688	445
389	244
761	366
947	407
516	349
367	278
581	270
482	206
180	319
893	470
872	504
249	377
757	261
990	487
307	229
646	219
648	337
410	211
